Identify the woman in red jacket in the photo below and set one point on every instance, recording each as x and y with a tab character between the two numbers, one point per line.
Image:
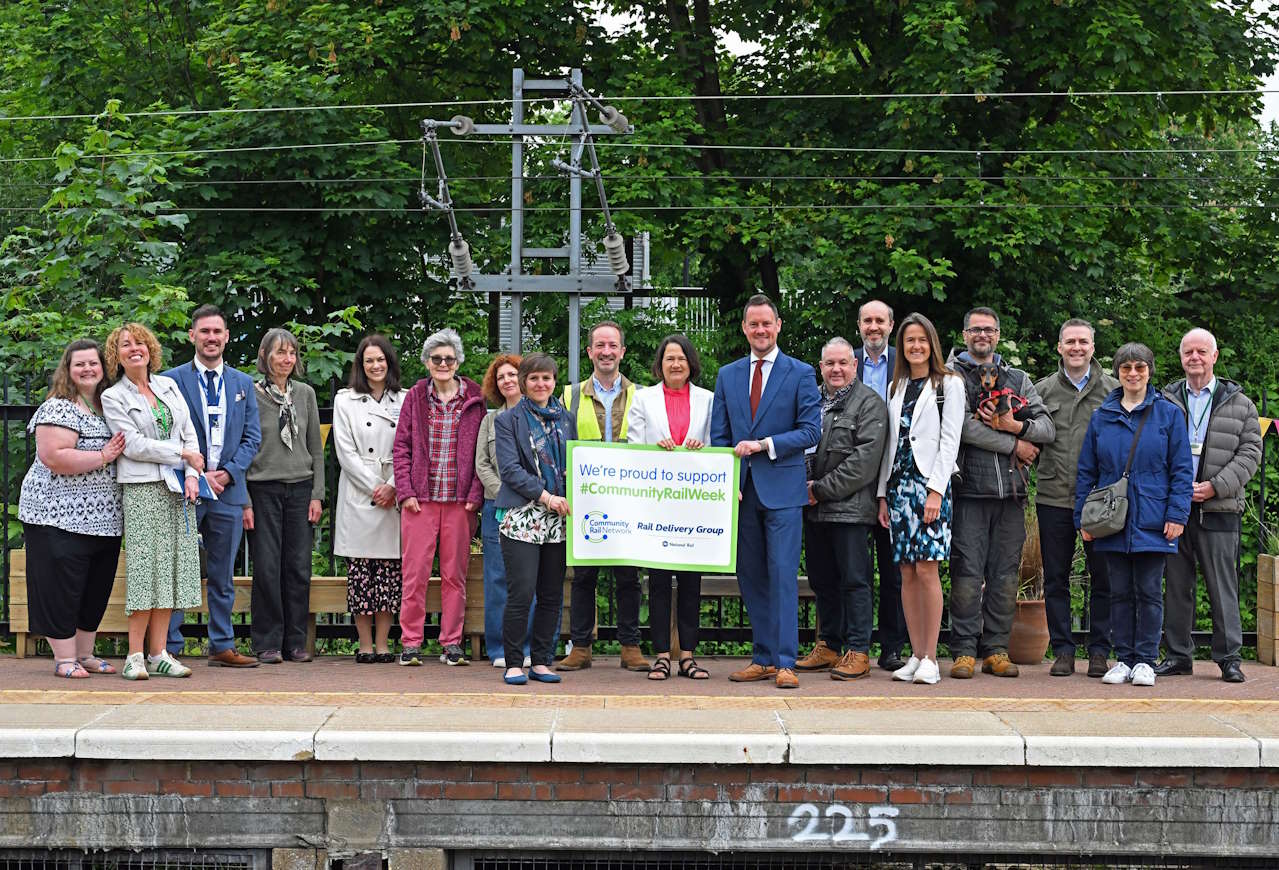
438	492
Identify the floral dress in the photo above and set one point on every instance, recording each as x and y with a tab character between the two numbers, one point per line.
162	556
913	539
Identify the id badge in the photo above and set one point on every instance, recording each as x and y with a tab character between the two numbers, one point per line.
1196	449
214	418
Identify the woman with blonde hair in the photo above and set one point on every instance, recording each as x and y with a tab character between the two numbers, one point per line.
286	498
926	407
71	512
159	472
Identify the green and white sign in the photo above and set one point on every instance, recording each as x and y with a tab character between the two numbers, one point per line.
638	504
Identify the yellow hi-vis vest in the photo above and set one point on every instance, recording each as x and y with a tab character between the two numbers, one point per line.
588	425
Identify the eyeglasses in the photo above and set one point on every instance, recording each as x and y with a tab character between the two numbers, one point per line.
447	361
982	330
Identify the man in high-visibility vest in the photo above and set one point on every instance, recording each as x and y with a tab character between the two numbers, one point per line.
600	404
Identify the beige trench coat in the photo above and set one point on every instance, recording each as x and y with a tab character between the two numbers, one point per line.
363	431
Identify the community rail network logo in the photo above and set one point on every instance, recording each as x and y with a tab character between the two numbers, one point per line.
597	527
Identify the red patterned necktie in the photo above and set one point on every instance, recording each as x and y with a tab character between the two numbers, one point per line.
757	386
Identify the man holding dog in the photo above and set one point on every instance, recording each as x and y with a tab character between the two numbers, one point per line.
1000	439
1225	450
1071	395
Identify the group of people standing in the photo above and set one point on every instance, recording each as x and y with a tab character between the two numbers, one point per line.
893	455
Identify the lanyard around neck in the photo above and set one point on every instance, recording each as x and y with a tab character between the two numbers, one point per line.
1195	424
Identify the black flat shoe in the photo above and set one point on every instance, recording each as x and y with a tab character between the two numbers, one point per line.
890	661
384	658
1174	668
363	658
1231	672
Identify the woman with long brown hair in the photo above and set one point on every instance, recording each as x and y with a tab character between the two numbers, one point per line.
926	407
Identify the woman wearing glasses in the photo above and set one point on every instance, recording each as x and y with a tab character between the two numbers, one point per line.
438	492
1160	483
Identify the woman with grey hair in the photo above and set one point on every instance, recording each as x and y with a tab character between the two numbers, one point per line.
286	497
1137	434
433	458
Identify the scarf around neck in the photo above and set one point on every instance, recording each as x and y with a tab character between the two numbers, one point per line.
288	418
830	400
546	436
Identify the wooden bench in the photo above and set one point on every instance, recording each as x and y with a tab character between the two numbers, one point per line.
328	595
726	586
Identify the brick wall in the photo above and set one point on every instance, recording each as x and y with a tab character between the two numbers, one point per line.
355	807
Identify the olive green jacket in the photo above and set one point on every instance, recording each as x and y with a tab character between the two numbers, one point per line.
1070	410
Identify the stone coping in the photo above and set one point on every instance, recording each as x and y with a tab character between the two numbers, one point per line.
1242	735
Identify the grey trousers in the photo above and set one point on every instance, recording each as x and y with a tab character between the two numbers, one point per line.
1214	551
985	551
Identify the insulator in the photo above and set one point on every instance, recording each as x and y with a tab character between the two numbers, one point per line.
460	253
615	246
614	119
462	125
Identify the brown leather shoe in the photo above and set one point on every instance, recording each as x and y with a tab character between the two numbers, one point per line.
633	659
963	668
753	673
851	666
821	658
579	659
786	679
1000	665
229	658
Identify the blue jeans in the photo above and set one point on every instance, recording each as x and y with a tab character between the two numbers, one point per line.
1136	605
495	586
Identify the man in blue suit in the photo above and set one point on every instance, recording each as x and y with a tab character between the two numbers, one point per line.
768	410
224	410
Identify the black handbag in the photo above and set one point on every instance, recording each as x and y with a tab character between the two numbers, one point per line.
1106	509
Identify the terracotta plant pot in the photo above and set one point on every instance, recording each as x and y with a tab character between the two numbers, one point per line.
1028	640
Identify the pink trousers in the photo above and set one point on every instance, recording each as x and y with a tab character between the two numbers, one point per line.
446	527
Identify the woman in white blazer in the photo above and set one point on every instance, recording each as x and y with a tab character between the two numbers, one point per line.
367	528
672	413
159	471
914	483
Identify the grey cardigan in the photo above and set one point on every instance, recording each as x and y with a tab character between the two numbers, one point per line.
274	461
146	455
486	456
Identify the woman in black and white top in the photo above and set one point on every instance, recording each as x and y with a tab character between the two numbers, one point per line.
71	513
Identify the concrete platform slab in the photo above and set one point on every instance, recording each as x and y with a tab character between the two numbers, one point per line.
1262	727
1122	739
203	733
422	734
628	735
44	730
901	737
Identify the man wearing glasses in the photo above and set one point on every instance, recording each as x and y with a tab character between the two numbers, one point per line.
989	527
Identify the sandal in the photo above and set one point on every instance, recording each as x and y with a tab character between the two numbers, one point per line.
661	669
690	668
95	665
70	669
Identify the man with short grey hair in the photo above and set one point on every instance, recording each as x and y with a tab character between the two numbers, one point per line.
1225	450
1071	395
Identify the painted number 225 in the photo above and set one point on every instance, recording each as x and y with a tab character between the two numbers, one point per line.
806	818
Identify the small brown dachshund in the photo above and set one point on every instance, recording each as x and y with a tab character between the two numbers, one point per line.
993	390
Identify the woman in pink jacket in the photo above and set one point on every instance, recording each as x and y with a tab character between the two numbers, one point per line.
438	492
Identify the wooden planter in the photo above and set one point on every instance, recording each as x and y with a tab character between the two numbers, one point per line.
1028	640
1267	627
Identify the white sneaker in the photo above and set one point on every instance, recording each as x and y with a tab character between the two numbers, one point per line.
907	671
1121	673
165	665
135	667
1143	675
499	662
927	672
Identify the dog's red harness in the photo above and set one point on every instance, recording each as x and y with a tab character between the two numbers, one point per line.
1015	402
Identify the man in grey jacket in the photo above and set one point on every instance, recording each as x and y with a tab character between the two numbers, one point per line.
1225	448
843	473
1071	395
989	526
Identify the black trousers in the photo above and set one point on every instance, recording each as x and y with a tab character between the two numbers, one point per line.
532	570
892	618
1057	536
280	545
69	579
688	608
839	570
582	606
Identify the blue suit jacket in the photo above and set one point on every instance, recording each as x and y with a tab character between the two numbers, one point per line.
243	433
790	412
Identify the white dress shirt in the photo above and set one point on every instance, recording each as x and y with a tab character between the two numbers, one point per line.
214	436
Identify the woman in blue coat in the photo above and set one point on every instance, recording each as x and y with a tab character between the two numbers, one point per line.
1159	487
